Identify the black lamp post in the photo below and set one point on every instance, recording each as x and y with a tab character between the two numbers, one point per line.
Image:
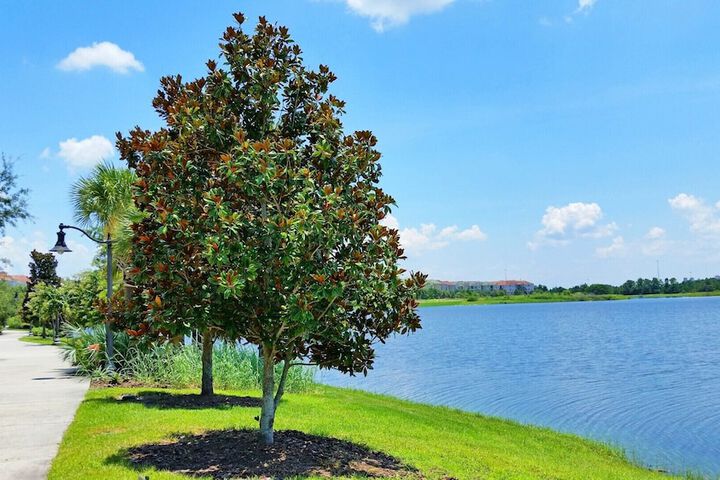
60	248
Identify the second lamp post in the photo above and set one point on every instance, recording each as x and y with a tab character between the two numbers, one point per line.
60	248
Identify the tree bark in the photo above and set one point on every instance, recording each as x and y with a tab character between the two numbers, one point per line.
281	384
207	363
267	413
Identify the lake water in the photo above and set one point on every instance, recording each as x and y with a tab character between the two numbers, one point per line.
641	374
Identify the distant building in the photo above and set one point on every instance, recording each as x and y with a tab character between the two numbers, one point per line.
13	279
507	286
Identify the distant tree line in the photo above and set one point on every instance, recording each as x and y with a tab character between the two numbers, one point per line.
430	292
641	286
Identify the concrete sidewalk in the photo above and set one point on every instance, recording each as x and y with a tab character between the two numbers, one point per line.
38	399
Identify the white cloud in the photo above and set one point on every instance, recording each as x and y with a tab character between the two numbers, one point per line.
390	13
17	251
617	247
101	54
576	216
684	201
424	238
576	219
390	221
429	237
655	233
654	243
585	5
472	233
601	231
46	153
704	219
87	152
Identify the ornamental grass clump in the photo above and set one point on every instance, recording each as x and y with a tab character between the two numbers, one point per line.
235	367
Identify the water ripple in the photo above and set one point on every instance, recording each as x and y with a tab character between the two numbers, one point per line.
642	374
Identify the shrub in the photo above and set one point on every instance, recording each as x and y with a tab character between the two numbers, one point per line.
10	298
84	347
39	331
16	322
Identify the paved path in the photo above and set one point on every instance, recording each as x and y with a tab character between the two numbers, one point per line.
38	399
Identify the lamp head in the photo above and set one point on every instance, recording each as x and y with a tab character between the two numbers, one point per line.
60	246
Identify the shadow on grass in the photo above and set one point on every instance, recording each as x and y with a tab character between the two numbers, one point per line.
239	454
167	400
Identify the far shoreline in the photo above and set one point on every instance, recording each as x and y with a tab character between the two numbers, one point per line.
553	298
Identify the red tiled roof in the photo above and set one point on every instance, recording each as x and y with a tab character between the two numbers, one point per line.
14	278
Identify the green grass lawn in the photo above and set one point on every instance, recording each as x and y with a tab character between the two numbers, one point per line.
37	340
440	442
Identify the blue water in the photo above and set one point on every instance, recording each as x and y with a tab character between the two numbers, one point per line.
641	374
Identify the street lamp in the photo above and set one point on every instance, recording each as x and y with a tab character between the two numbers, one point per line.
60	248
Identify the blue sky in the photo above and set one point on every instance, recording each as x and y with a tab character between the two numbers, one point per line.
561	142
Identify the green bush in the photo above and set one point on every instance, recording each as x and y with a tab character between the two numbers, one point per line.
16	322
39	331
84	347
10	300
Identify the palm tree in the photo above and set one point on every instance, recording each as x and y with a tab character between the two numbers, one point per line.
103	202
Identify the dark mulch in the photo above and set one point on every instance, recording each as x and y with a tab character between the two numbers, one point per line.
189	401
101	383
228	454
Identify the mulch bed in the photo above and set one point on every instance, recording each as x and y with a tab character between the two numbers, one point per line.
189	401
226	454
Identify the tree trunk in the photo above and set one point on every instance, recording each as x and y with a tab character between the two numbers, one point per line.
56	330
267	413
43	335
207	363
281	384
109	340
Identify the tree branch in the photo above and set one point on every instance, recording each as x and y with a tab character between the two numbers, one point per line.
301	364
281	384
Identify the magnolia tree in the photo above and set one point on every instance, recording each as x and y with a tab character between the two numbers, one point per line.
263	219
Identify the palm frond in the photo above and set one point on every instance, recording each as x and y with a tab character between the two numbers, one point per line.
104	198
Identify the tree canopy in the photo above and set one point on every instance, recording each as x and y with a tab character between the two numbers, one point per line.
42	271
48	303
262	218
13	200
